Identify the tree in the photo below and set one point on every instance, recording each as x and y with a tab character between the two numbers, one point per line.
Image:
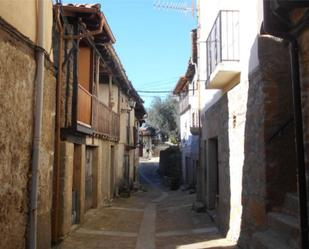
164	115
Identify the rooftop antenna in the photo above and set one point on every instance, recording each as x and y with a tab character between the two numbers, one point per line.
180	6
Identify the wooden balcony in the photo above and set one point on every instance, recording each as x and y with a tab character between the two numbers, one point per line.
195	122
104	120
95	116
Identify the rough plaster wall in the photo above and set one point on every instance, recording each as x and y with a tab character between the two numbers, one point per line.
47	162
119	175
67	155
105	171
132	164
17	75
100	173
104	93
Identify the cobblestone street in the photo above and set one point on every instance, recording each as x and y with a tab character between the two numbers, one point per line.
157	218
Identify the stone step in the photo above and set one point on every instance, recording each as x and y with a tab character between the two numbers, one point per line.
290	205
285	225
268	240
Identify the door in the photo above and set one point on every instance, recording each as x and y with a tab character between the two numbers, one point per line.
112	173
213	173
88	179
187	178
127	171
194	173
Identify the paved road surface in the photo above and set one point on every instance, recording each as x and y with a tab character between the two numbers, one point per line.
156	219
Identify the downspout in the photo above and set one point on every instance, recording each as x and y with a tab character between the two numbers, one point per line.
298	119
32	235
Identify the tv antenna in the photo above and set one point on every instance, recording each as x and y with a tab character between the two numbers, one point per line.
180	6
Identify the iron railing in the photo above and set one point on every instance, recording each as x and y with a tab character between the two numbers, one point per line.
222	43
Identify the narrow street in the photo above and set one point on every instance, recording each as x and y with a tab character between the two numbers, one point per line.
153	218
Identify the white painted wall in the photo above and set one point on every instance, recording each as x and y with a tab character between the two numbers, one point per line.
23	15
251	14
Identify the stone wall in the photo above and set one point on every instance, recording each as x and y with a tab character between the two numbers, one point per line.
215	125
253	126
269	163
303	41
303	45
17	77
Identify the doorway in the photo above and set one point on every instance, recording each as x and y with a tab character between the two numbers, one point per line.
89	179
112	172
126	171
213	174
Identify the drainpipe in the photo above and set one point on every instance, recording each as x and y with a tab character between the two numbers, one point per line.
298	119
32	236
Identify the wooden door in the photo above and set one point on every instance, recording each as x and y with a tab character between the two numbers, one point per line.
112	173
88	180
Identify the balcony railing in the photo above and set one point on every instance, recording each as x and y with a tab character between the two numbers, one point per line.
184	103
115	128
194	122
105	121
223	40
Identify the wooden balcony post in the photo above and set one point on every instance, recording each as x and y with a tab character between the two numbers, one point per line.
110	81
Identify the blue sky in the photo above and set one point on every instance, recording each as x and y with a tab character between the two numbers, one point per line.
153	45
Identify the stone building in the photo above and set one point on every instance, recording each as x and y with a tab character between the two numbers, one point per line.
69	120
99	113
248	175
188	92
21	75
